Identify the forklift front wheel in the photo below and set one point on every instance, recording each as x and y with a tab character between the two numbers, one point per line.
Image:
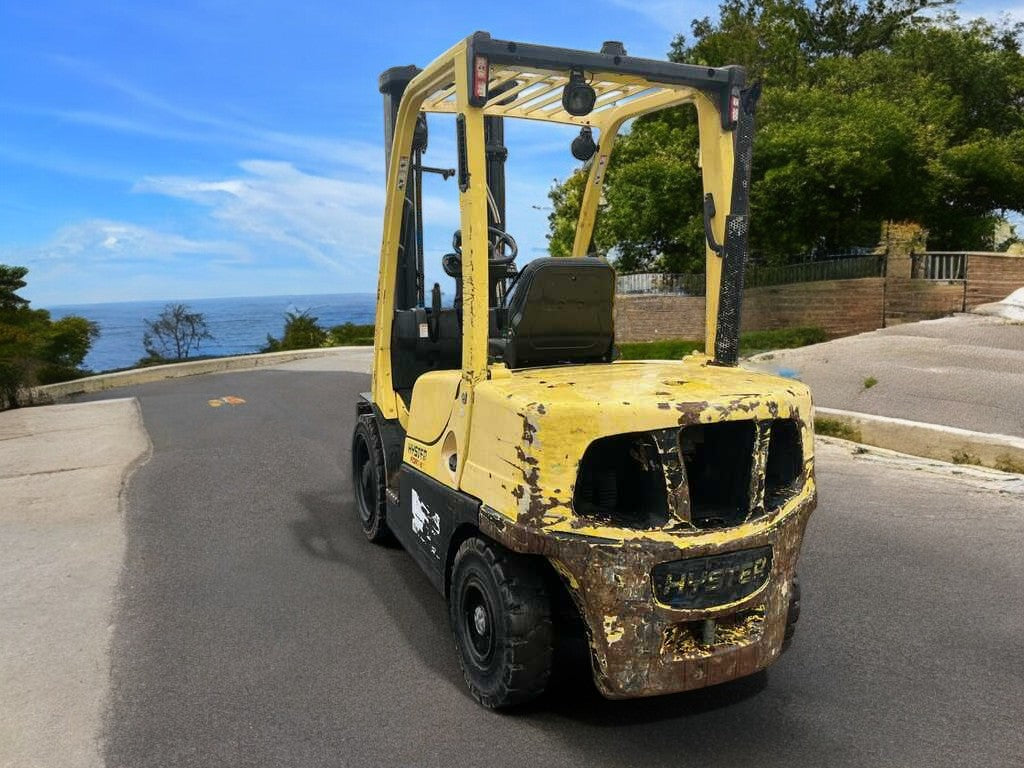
500	614
368	481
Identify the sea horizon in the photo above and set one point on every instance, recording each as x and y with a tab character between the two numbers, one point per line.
239	324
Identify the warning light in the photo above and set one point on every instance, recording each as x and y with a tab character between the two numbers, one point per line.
481	74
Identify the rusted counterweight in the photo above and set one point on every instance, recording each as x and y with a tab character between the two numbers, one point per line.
643	648
621	573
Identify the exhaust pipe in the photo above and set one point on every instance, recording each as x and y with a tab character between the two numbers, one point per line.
737	225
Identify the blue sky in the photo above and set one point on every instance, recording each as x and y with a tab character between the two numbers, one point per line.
191	149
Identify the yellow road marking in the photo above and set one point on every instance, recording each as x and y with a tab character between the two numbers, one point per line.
226	400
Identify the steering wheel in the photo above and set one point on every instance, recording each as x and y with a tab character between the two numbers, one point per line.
497	256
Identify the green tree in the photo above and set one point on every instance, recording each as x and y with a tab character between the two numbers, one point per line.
12	279
175	334
33	348
871	111
301	331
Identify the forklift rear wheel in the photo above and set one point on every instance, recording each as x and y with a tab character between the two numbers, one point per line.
368	480
500	614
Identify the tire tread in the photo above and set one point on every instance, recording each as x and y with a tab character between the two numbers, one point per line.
528	648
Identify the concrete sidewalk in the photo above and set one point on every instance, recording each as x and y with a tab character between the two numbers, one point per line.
965	371
62	538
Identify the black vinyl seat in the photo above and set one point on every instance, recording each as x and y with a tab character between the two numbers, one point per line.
559	311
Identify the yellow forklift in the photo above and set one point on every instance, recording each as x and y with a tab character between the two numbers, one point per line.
533	476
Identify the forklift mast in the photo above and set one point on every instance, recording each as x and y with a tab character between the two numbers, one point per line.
409	291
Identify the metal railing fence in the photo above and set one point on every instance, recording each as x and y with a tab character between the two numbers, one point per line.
940	265
872	265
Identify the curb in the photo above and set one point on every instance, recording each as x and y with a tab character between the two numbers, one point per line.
104	381
932	441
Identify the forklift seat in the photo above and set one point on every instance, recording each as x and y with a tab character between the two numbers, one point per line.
559	311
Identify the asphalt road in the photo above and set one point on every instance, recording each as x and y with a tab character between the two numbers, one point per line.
256	627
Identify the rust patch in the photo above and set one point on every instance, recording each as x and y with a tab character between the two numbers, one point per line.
690	413
536	505
642	648
677	492
762	436
529	432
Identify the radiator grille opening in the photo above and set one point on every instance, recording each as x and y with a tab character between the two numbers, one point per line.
718	459
620	482
785	462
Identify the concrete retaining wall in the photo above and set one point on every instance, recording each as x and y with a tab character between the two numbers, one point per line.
53	392
839	307
908	301
992	277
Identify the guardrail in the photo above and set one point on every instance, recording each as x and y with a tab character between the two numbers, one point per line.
661	282
850	268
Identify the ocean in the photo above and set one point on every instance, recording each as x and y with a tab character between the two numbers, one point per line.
239	325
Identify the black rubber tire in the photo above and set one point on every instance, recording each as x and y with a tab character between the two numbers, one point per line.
793	615
369	481
510	661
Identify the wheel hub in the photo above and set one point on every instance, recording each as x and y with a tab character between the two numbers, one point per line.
478	624
480	620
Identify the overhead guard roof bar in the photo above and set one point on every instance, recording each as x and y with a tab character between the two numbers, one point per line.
540	72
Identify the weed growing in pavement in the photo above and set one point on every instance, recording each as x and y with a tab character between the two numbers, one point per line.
963	457
1007	463
869	382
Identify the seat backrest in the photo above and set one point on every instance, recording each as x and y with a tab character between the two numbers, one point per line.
560	311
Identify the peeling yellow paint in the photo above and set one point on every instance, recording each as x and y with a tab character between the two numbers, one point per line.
612	633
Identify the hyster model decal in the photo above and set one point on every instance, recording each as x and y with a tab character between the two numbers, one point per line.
424	524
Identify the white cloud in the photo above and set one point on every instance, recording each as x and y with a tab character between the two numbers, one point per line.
269	228
106	260
102	240
154	116
59	162
334	222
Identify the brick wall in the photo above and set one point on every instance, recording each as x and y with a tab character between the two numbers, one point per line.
908	301
839	307
649	318
992	277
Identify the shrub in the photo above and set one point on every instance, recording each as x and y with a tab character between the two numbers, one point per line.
33	348
301	331
350	334
750	343
826	427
